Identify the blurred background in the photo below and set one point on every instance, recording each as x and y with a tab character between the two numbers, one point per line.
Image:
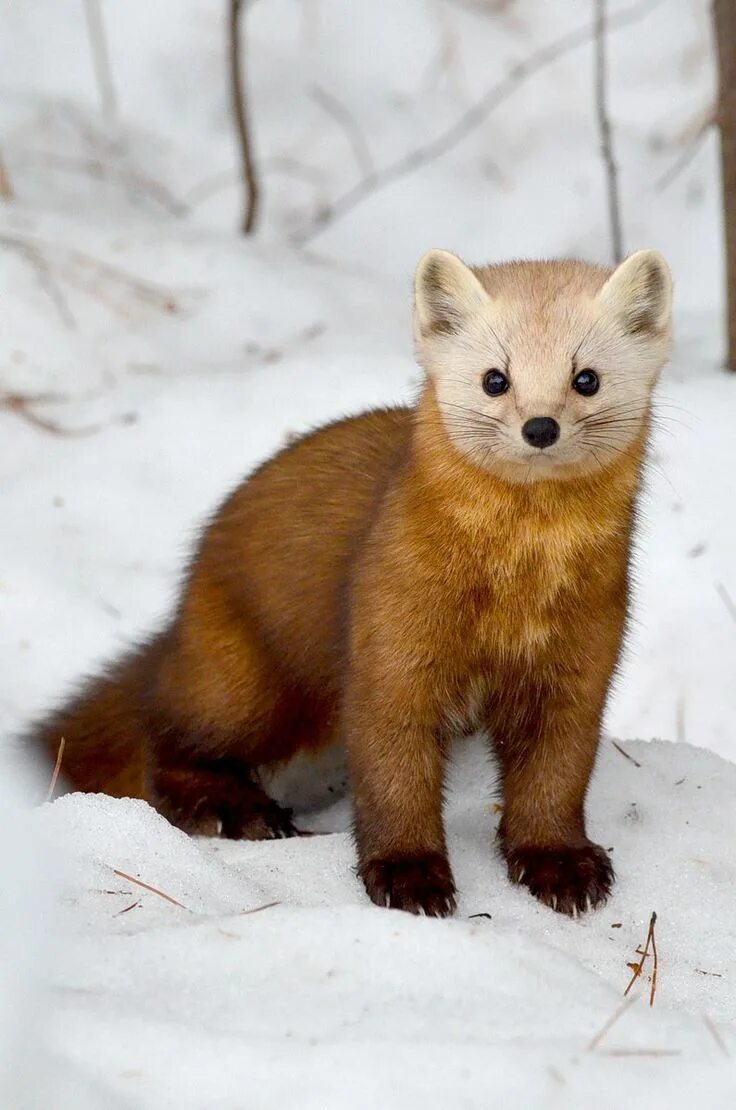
151	351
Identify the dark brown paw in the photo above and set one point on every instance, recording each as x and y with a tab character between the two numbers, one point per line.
569	880
258	820
206	802
417	884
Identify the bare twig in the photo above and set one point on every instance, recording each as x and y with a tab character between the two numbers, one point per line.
57	768
655	1052
606	1028
257	909
493	97
625	754
680	720
211	185
483	7
127	909
21	404
655	959
97	168
687	154
6	189
637	968
91	274
447	60
352	129
32	253
225	179
101	60
604	127
237	92
147	886
726	599
716	1035
724	25
155	296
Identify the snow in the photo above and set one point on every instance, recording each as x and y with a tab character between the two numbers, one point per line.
326	999
184	355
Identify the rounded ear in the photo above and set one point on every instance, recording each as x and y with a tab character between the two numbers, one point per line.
639	293
446	291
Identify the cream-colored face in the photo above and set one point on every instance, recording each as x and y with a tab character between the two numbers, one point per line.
543	370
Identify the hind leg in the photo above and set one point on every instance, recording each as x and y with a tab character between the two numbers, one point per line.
217	708
219	797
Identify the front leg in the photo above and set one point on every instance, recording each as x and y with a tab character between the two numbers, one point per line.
546	735
396	762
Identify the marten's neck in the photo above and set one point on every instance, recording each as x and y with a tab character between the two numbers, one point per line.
596	505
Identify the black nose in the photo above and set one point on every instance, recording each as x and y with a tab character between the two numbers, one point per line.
541	431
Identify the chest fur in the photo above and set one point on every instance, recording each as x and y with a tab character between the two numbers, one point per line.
530	583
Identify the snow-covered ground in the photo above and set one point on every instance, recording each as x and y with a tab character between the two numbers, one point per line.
177	356
320	1000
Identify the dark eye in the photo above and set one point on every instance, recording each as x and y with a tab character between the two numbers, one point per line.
586	382
495	383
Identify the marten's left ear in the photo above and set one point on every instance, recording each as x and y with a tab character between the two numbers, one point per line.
446	292
639	293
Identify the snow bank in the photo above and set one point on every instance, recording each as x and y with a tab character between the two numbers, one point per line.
326	1001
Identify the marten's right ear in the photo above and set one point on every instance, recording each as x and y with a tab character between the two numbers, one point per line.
639	293
446	292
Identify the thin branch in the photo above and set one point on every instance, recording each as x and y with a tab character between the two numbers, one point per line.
482	7
604	127
242	131
57	768
726	599
655	1053
723	14
21	404
76	266
6	189
716	1035
655	959
686	156
493	97
97	168
147	886
625	754
127	909
608	1026
33	254
680	720
225	179
637	968
101	60
352	129
257	909
209	187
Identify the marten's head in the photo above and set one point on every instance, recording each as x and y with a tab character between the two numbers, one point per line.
543	370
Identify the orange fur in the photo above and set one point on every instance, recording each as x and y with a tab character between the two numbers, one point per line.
372	582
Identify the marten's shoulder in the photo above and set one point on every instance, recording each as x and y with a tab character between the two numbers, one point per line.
372	438
336	468
285	538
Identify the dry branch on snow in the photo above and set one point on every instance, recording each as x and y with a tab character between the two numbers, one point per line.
724	16
240	113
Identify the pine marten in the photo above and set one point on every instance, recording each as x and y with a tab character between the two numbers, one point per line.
401	576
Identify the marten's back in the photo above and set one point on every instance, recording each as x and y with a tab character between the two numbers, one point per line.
269	578
281	547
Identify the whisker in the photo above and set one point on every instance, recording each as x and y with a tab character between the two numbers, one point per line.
475	412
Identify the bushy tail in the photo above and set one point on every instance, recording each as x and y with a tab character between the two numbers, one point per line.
104	732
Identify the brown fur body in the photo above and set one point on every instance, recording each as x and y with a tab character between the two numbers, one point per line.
372	583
